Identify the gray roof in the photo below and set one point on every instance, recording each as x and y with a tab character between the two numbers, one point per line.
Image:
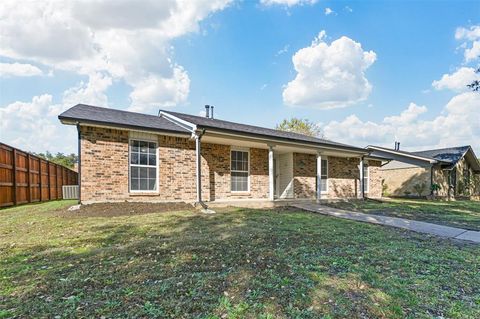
101	115
386	149
446	156
204	122
450	154
112	117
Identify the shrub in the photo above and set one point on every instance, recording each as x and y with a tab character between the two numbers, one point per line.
419	188
384	189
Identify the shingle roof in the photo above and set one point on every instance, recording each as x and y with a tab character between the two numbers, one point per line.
112	117
450	154
205	122
386	149
106	116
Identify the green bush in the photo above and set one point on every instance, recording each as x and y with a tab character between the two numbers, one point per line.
420	188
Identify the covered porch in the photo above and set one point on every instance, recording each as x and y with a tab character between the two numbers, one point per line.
295	170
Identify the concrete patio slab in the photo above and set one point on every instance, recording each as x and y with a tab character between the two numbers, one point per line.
413	225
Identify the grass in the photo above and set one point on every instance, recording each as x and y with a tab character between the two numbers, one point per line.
462	213
238	263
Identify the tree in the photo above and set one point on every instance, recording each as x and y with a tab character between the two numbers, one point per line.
59	158
475	85
301	126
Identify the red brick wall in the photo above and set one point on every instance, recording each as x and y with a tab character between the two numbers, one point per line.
105	169
343	177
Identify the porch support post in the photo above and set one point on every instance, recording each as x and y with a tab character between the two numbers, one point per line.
271	174
362	181
198	157
319	176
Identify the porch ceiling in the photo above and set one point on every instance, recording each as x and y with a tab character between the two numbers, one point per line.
278	148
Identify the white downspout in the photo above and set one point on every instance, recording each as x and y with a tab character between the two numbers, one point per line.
271	174
199	167
362	180
319	177
198	159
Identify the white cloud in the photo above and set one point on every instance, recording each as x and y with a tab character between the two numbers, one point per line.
33	126
328	11
18	69
457	124
347	8
329	76
92	92
102	40
408	115
123	39
283	50
288	3
149	91
472	53
471	35
458	80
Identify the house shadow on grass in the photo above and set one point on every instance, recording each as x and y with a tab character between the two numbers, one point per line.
240	263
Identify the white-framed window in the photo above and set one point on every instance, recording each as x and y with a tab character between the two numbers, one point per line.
240	170
143	166
324	176
366	178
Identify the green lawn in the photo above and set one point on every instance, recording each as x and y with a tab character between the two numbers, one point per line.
462	214
238	263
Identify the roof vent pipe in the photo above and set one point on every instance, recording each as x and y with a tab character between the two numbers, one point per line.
207	111
398	146
211	110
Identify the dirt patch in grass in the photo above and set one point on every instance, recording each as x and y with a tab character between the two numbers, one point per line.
125	209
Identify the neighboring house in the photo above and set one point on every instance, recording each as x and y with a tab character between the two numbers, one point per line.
455	169
126	156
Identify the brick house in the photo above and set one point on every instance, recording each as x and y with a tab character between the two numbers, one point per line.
126	156
455	169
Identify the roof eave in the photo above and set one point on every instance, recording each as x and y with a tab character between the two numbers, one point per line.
74	121
359	151
426	159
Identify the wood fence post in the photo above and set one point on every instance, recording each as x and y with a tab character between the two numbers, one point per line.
29	185
63	173
14	176
49	182
40	177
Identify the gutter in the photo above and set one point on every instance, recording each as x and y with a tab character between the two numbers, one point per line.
75	121
79	164
287	142
381	149
197	135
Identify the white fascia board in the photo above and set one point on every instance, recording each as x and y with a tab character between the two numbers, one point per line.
178	121
381	149
273	142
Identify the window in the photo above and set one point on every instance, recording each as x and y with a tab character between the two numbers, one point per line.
324	176
143	166
239	171
366	178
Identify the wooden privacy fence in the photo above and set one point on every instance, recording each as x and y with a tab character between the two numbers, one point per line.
26	178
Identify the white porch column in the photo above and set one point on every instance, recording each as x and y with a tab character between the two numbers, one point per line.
198	158
362	181
271	174
319	177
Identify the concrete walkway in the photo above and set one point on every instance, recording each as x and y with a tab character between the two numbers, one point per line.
413	225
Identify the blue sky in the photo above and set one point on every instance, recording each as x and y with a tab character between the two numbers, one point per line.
240	57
